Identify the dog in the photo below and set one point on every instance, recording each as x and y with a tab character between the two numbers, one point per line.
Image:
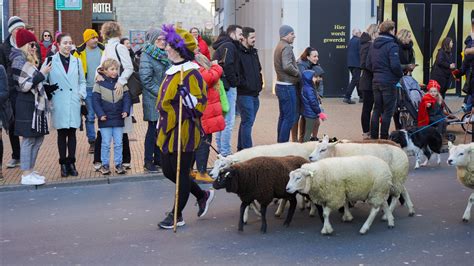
419	140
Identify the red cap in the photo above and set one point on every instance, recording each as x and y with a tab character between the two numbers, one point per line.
24	37
433	84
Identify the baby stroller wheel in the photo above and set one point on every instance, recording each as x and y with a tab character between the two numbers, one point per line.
466	118
451	137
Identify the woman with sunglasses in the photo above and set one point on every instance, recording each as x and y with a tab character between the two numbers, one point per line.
32	106
45	44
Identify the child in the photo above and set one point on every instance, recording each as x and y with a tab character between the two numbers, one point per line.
111	111
312	111
430	109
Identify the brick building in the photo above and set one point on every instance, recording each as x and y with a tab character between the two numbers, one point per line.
41	14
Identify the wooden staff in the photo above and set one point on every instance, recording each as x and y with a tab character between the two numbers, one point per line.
178	165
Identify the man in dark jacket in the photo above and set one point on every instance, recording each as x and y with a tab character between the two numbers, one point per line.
14	24
353	63
227	55
384	62
249	87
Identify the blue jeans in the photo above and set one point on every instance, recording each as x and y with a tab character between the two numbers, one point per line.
152	152
107	134
90	119
248	106
288	111
202	153
224	137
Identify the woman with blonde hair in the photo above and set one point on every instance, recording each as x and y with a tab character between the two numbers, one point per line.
365	83
31	121
406	52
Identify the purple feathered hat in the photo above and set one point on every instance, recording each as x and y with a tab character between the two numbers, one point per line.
180	40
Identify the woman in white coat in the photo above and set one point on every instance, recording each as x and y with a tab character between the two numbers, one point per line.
68	74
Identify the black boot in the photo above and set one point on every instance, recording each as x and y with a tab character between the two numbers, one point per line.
64	168
72	167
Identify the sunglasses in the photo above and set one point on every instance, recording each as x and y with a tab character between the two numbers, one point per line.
32	45
47	35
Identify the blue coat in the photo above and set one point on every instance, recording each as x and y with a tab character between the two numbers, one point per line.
353	58
311	108
66	101
152	73
383	60
107	104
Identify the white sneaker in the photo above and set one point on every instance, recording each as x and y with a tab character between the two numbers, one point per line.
38	176
13	163
97	166
31	180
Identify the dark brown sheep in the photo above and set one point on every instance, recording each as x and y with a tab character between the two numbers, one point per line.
261	179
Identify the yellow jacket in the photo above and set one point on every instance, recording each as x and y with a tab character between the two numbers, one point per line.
80	53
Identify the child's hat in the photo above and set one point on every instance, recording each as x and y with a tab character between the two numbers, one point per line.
433	84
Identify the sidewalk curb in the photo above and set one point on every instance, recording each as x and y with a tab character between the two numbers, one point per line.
86	182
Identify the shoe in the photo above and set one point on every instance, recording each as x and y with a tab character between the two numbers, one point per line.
91	147
127	166
119	169
31	180
72	169
13	163
105	170
38	176
150	167
204	178
193	174
97	166
348	101
168	222
64	170
366	136
205	202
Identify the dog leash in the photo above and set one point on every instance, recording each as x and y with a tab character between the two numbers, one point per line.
434	123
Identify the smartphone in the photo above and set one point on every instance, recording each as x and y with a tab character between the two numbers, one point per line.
49	59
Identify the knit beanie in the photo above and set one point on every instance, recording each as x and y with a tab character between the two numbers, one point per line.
433	84
89	34
24	37
152	35
285	30
15	22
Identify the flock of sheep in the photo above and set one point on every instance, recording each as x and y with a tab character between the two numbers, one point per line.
340	174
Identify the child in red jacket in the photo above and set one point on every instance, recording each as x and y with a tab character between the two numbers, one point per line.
431	108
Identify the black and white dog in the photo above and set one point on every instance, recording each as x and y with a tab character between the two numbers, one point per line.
417	140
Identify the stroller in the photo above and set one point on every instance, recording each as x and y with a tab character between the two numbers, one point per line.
409	98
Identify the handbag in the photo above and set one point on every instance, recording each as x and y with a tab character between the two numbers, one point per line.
223	97
134	83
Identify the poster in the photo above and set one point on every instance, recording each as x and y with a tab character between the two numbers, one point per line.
330	35
137	39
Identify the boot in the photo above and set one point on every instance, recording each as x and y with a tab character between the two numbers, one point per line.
204	177
91	147
64	167
72	167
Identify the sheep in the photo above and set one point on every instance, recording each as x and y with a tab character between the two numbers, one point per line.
375	141
462	156
279	149
333	182
394	156
260	179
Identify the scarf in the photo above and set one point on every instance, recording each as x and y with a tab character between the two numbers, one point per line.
47	44
423	116
157	53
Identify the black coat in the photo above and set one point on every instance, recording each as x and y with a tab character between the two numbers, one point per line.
251	81
227	55
407	55
441	71
6	112
5	50
365	82
383	60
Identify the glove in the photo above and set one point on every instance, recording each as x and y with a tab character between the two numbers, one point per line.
83	108
189	100
49	89
323	116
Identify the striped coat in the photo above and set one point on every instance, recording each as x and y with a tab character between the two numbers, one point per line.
168	108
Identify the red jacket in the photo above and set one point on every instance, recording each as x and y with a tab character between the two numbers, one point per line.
44	51
212	119
203	48
423	116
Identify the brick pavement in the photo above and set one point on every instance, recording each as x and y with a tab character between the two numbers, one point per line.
343	122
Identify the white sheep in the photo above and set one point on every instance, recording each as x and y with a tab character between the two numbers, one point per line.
334	182
279	149
462	156
394	156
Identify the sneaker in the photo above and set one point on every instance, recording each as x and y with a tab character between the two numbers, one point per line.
91	147
105	170
193	174
127	166
119	169
168	222
13	163
205	202
204	177
366	136
150	167
31	180
348	101
38	176
97	166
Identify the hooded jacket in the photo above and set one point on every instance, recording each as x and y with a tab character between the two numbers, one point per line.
309	96
251	79
383	60
227	55
212	119
203	48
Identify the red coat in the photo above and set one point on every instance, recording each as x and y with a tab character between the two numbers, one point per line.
423	116
203	48
44	51
213	118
